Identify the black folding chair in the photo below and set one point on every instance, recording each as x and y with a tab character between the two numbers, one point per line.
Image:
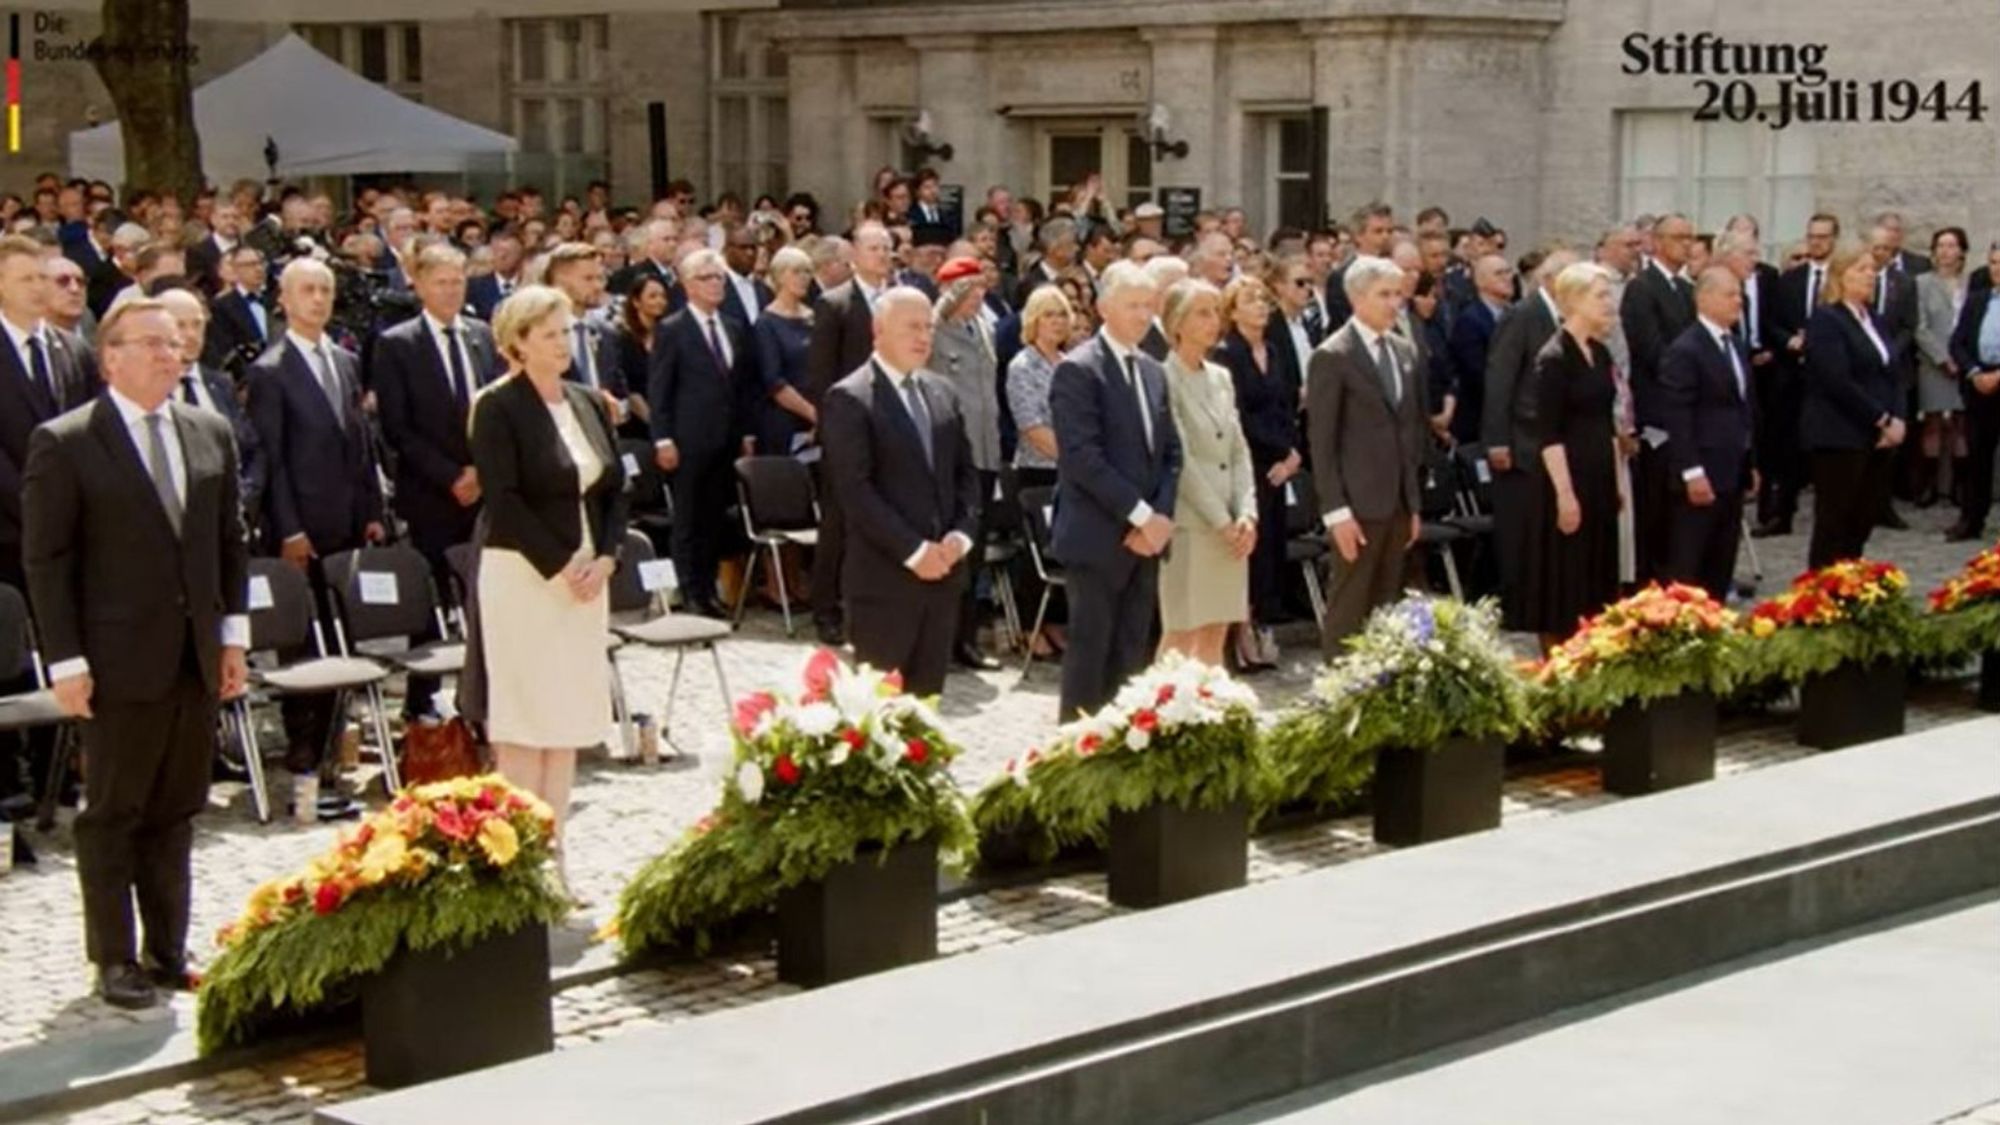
1005	541
283	619
32	710
1037	514
1438	502
641	616
386	593
775	495
650	503
1305	538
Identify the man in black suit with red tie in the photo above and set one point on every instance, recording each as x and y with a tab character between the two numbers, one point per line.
700	377
1706	405
900	461
138	573
324	496
426	371
1658	307
843	336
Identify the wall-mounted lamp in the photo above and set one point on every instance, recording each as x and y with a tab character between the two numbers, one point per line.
918	139
1155	124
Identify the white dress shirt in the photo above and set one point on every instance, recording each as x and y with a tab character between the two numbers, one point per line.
19	336
1141	512
899	380
435	329
192	377
1868	326
746	292
235	626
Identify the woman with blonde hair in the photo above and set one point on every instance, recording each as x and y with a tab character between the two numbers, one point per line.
1205	580
1854	407
1267	402
778	340
555	515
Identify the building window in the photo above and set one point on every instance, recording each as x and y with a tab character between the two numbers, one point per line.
1714	169
749	136
391	54
556	82
1278	158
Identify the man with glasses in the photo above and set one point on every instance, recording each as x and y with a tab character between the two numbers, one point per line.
1793	299
1657	307
244	323
701	382
67	309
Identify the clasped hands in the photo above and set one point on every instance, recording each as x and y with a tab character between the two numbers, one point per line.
939	557
1151	537
586	577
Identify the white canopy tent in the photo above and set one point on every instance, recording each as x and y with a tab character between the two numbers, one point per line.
325	119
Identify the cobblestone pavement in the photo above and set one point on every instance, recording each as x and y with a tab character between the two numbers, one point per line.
626	812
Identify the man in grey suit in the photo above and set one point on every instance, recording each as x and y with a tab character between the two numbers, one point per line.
1365	405
137	568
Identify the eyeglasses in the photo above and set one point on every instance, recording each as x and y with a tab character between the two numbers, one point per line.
68	281
150	343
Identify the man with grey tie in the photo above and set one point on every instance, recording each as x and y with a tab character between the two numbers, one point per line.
322	496
1365	413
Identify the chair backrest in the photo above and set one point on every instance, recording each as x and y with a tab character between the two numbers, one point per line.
1475	479
1302	507
1438	479
777	494
647	485
281	607
382	592
1037	508
628	592
13	631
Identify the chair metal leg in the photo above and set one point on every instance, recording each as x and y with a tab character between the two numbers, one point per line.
1451	571
621	712
392	771
1010	612
1750	548
784	595
253	758
722	678
673	688
1041	614
743	591
1314	593
60	757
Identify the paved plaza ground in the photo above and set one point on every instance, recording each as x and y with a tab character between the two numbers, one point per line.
626	812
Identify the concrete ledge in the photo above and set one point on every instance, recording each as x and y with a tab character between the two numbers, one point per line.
1182	1013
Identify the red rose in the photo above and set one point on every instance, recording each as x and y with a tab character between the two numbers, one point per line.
487	800
451	824
326	899
916	751
786	770
1166	695
819	674
751	708
1088	744
1145	720
854	738
294	893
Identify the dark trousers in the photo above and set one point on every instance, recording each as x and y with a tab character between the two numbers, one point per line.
1110	633
24	755
826	606
1653	487
1780	397
1849	489
1704	541
1982	438
911	633
313	723
145	771
702	489
1374	578
1513	497
1267	560
969	615
420	693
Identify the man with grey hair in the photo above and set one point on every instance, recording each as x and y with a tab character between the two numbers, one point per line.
1366	424
1058	240
1507	419
1657	307
118	271
1907	262
1164	273
1706	407
1121	463
1214	259
652	256
833	264
1471	340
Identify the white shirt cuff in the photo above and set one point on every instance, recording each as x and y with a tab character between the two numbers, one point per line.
964	541
911	562
236	631
1339	515
64	669
663	443
1140	514
1694	474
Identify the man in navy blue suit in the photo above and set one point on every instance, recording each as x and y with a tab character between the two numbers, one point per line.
210	389
699	375
1472	336
1121	461
323	496
1706	408
485	292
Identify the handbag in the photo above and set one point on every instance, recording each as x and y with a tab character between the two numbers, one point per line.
439	751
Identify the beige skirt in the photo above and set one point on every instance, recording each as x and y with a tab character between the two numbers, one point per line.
548	679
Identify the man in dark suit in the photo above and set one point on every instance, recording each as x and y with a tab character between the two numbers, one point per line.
1121	464
1472	338
743	295
244	322
1975	348
898	456
843	336
323	496
1506	416
576	270
1658	306
1707	408
205	258
137	570
1909	263
1366	424
1374	226
1058	242
426	371
1895	307
205	387
700	374
1781	390
927	209
655	260
485	292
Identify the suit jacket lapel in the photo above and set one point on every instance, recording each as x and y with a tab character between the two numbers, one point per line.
300	370
21	385
885	389
109	427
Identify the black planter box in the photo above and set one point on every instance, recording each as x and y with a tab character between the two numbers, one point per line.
432	1014
1989	680
1425	795
1660	744
1164	853
867	915
1852	704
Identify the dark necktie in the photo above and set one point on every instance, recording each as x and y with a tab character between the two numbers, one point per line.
1385	365
1812	289
586	369
1139	397
913	401
458	384
1684	289
1315	323
188	394
1731	350
1882	293
38	366
715	348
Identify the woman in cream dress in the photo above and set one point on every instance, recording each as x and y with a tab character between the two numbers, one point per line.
1205	581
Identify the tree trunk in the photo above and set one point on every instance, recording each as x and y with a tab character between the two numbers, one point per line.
144	64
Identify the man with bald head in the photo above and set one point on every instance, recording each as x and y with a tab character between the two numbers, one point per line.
1657	307
1706	405
901	466
1472	337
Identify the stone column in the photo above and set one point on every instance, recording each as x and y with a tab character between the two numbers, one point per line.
828	136
1187	81
953	87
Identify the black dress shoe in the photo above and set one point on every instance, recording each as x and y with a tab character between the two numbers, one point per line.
969	656
124	986
1771	528
832	636
1960	533
1892	521
169	977
225	770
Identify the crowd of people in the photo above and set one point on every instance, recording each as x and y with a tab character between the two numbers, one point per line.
1174	418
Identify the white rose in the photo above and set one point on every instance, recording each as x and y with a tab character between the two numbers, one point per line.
750	782
816	720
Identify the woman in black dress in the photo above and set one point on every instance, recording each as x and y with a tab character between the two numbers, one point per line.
1570	568
780	337
644	307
